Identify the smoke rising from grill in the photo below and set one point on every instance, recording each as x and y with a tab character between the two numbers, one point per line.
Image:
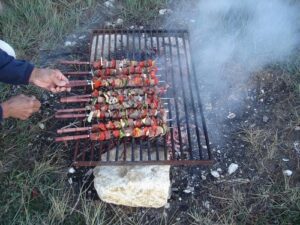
250	34
246	34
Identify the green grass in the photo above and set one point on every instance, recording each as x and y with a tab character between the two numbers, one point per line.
33	24
141	12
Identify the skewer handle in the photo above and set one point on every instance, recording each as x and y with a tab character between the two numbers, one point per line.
69	130
67	62
67	116
77	73
78	98
77	83
70	110
72	138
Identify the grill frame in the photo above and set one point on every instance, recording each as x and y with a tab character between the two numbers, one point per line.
85	151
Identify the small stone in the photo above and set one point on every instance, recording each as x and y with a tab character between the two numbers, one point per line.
188	190
41	125
219	170
232	168
109	4
215	173
70	180
285	159
71	170
287	173
82	37
108	24
203	177
119	21
231	115
132	27
297	146
265	119
206	204
179	198
165	11
297	128
70	43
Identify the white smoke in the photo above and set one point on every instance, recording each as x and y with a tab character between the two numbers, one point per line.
248	33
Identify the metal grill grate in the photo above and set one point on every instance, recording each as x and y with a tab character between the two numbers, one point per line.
187	142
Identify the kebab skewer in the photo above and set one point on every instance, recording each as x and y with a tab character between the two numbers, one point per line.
117	124
117	93
114	64
136	80
116	114
114	72
135	132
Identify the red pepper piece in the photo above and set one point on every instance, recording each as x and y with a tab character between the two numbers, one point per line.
101	136
142	64
102	115
97	106
97	83
116	133
121	98
138	81
102	126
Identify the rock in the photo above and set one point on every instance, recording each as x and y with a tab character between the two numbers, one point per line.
215	173
287	173
70	43
41	125
135	186
119	22
285	159
165	11
265	119
297	146
71	170
232	168
231	115
189	190
203	177
70	180
109	4
206	204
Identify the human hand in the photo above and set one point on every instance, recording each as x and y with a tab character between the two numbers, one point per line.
20	107
51	80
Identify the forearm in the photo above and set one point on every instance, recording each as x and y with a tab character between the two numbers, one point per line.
14	71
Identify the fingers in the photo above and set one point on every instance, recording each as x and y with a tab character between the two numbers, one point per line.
61	76
60	81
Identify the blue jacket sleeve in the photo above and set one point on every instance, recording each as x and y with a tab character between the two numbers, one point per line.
14	71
